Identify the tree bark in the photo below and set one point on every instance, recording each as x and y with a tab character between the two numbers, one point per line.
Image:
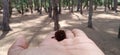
31	5
106	5
22	8
119	32
78	5
90	14
115	5
55	15
10	8
72	6
50	8
5	24
59	7
81	11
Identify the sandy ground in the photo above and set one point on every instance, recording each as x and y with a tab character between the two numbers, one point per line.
37	26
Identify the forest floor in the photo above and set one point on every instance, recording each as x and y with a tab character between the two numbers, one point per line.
37	26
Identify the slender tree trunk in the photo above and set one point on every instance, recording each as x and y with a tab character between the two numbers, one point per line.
81	11
50	8
86	5
106	5
37	6
78	5
96	5
31	6
45	8
59	7
90	14
119	32
41	5
6	17
72	6
115	5
111	4
69	4
56	15
22	8
10	8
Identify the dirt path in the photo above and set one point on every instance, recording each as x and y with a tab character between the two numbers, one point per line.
37	26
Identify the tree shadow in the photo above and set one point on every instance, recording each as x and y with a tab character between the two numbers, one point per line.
36	30
3	34
22	18
104	34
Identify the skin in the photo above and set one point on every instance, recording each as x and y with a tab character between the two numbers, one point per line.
76	43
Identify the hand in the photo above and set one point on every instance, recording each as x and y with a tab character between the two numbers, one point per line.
76	43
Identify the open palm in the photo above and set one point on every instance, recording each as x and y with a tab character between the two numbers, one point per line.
76	43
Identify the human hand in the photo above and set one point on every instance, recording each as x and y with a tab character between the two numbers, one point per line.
76	43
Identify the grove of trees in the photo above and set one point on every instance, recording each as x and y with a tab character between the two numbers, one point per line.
54	8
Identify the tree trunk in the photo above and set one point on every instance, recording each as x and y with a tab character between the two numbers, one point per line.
45	8
81	11
50	8
115	5
72	6
59	7
6	17
86	4
22	8
78	5
10	8
106	5
37	6
31	6
55	15
68	4
41	5
90	14
119	32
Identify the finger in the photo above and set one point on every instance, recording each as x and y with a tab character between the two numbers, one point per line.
18	46
69	34
67	42
80	36
79	33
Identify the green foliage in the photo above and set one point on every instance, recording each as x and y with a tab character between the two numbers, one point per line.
45	3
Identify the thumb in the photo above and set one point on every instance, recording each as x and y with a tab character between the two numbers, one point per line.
19	45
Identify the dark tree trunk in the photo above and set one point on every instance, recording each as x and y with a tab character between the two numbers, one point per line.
86	5
90	14
78	5
96	5
37	6
69	4
119	32
56	15
50	8
59	7
106	5
31	5
45	8
5	24
72	6
41	5
22	8
81	11
115	5
10	8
